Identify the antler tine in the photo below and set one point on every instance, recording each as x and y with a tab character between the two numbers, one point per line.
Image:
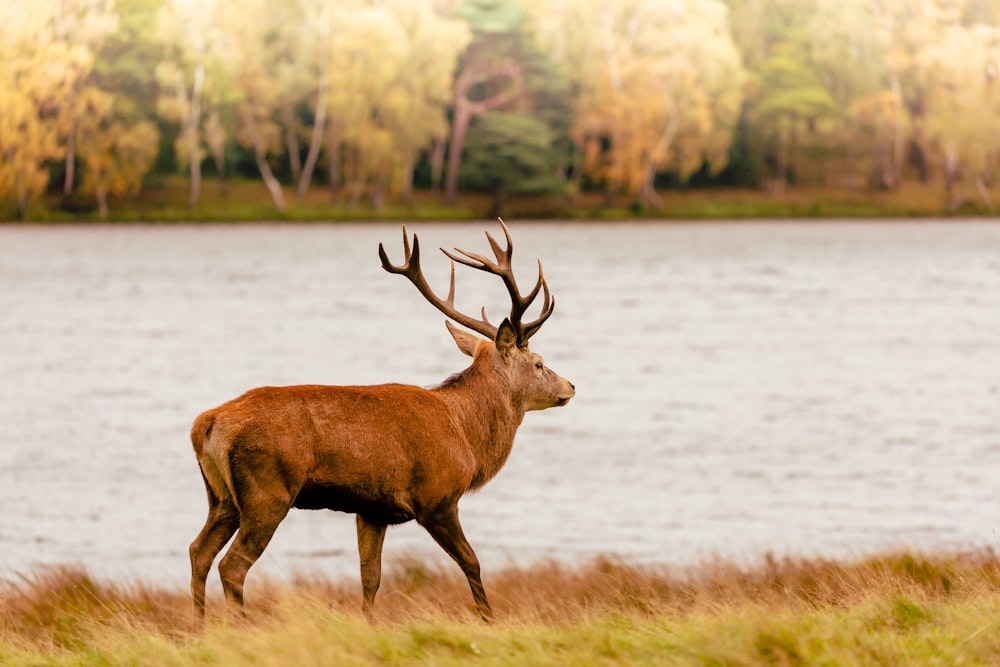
407	255
411	269
472	259
508	253
548	304
451	285
502	267
502	255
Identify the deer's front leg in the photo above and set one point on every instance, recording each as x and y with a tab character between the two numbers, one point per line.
371	535
447	531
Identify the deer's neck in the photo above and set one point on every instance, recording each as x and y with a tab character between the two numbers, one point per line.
481	400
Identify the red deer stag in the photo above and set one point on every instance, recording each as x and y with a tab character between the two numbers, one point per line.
388	453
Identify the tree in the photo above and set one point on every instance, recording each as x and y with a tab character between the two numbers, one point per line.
82	25
793	100
258	61
109	131
190	77
318	28
36	73
368	60
390	80
511	153
490	75
116	154
901	29
660	89
414	109
963	104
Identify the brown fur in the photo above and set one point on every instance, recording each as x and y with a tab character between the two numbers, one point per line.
389	454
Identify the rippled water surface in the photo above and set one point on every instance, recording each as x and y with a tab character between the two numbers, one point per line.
801	388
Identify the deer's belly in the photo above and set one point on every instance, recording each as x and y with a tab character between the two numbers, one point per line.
387	510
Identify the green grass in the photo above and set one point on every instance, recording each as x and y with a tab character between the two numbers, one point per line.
247	200
892	609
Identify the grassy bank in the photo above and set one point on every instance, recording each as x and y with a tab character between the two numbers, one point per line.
894	609
244	200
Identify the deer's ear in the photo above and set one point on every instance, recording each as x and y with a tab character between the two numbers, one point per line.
506	339
466	342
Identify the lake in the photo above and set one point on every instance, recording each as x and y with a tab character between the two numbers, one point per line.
800	388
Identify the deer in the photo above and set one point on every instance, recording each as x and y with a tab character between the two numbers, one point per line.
388	453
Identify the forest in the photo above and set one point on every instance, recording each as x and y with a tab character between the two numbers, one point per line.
373	101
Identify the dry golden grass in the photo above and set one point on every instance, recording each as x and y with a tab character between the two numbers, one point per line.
64	616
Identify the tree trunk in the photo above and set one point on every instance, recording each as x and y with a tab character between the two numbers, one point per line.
576	174
357	188
466	109
950	175
781	163
850	156
984	192
406	193
792	159
68	181
459	128
102	201
319	126
647	193
333	159
273	186
292	143
437	164
216	138
898	137
22	196
378	194
194	122
499	199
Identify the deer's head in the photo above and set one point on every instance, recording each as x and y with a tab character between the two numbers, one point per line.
533	385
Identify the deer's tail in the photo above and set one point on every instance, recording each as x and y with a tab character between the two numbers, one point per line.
200	431
214	463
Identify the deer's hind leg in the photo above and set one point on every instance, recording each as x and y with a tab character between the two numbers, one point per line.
223	521
260	514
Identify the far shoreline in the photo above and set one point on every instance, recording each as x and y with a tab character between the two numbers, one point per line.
247	201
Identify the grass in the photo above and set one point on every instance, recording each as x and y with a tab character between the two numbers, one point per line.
891	609
246	200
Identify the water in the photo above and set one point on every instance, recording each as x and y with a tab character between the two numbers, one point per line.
799	388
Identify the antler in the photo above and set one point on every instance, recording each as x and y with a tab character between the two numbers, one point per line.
411	269
504	269
501	267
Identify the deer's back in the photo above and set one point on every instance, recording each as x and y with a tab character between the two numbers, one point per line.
391	449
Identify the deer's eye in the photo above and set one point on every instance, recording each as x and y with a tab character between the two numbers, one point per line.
539	365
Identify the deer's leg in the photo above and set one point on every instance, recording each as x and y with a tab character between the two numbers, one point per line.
447	531
257	525
371	535
223	520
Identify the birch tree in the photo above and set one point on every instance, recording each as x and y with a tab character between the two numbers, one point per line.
82	25
257	58
661	91
963	105
36	73
115	153
189	78
390	85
